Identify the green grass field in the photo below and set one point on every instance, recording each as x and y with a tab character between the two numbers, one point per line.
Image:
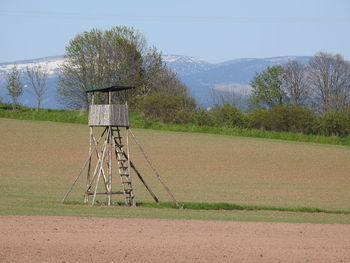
39	159
73	116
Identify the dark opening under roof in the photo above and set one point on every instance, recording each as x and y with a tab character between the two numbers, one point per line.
112	88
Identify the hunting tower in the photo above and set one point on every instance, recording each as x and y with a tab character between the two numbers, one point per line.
112	154
112	118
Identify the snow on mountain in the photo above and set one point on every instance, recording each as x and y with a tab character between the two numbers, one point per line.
183	59
185	65
282	60
52	64
235	61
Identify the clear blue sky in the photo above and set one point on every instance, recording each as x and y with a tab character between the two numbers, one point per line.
214	30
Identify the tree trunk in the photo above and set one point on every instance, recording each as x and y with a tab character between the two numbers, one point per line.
38	105
14	104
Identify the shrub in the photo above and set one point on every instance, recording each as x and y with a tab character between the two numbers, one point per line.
164	107
290	118
183	116
257	119
202	118
335	124
227	115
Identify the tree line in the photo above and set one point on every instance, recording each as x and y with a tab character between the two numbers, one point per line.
100	58
322	85
312	98
35	78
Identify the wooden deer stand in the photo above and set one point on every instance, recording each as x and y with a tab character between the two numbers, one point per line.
108	146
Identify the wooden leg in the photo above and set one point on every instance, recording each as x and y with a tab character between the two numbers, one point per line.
110	167
129	170
101	168
86	196
97	164
80	172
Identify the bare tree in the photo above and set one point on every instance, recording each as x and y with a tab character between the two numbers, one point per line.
159	78
14	85
329	76
37	77
294	82
167	82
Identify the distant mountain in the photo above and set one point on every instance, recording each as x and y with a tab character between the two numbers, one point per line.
185	65
231	75
197	74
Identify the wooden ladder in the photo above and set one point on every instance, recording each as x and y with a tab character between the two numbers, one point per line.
123	162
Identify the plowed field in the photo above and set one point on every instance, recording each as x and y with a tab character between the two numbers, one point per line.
72	239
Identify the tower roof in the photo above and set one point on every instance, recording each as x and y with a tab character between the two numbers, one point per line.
112	88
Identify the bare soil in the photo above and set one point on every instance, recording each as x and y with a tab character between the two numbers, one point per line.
73	239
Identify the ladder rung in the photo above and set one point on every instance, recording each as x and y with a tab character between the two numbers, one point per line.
122	167
124	174
126	182
106	193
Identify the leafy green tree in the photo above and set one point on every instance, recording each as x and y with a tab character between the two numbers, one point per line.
267	88
119	56
14	85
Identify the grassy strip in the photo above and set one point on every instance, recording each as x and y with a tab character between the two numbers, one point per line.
142	123
225	206
287	136
46	115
